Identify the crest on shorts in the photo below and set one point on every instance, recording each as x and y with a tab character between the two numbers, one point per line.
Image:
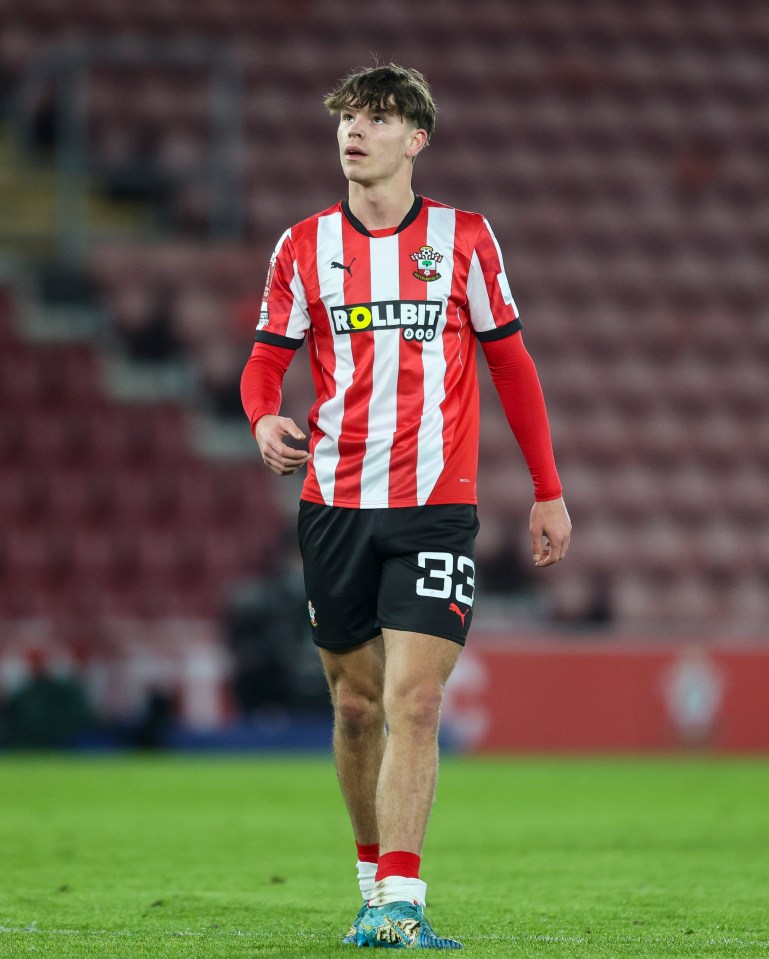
311	611
427	260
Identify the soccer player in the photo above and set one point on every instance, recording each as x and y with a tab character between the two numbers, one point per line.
392	292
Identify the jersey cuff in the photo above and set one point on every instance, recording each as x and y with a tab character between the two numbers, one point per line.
275	339
500	332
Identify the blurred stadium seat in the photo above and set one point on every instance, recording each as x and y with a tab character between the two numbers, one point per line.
106	507
619	153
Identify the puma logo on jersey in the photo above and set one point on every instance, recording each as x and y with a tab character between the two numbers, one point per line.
455	609
341	266
417	319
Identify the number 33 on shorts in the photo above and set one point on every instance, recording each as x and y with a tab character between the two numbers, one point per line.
446	579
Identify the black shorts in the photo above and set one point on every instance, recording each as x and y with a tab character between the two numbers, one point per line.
407	568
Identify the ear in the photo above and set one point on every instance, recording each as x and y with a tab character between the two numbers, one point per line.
417	143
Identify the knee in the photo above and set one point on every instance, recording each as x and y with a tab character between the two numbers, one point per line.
357	713
416	708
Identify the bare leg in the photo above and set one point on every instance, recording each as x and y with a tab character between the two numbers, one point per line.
356	681
417	668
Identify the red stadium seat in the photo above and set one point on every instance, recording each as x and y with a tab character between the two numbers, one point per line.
619	153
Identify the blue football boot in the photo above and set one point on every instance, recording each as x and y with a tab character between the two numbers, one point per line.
349	939
399	925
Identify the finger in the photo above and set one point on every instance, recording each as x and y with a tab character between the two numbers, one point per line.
291	467
272	433
277	448
555	553
282	469
536	543
285	426
562	542
288	453
287	470
285	460
543	555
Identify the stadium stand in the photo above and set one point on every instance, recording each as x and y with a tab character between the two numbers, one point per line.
618	151
106	505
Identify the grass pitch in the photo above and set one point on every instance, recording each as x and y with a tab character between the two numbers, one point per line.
250	857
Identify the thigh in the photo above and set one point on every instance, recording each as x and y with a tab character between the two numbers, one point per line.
341	575
416	671
428	576
415	659
355	672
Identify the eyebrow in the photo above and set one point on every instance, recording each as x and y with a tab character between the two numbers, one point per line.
390	109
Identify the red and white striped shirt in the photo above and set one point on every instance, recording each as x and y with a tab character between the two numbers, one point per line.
391	319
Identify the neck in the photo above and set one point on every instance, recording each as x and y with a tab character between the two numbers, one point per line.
380	209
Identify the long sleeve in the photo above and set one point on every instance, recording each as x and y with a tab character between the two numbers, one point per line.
262	381
515	377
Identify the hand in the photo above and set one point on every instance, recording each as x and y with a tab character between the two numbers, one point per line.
281	459
550	529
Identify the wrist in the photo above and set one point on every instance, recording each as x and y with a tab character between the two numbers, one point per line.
258	415
548	496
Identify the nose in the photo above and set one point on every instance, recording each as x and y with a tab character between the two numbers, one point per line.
354	129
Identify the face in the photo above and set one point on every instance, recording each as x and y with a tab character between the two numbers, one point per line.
376	146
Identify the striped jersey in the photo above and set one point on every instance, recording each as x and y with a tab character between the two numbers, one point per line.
391	319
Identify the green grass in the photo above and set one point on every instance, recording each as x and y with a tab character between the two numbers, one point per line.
249	857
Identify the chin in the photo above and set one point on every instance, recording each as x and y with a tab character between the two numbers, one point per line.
355	176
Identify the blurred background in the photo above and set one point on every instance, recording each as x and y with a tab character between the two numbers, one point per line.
151	154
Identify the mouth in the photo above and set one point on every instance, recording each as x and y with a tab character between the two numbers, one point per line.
351	153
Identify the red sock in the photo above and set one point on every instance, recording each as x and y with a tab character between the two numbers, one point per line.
398	863
368	853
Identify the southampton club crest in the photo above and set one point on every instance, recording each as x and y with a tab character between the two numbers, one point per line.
427	261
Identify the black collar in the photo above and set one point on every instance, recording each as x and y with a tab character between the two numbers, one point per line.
408	219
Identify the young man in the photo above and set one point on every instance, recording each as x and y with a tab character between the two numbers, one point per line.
392	291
